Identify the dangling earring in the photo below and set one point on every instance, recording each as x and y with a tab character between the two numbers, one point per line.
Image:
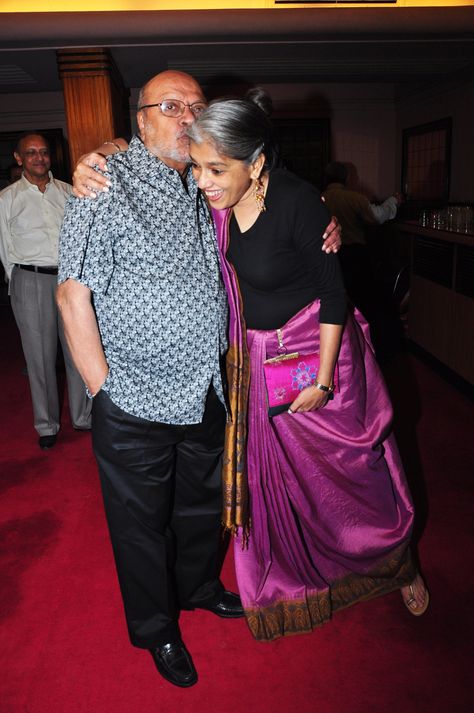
259	195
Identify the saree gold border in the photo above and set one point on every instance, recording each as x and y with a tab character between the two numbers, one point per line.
286	618
234	467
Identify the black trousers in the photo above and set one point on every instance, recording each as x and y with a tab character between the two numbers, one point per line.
162	494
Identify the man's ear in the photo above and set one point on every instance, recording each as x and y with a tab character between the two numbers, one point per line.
140	122
18	158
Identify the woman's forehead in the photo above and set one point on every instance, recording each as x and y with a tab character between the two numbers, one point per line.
207	151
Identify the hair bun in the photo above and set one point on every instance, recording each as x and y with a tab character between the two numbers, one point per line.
259	96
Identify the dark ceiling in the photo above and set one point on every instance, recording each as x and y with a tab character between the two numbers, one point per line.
393	45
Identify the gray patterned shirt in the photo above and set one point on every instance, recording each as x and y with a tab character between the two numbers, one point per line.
147	251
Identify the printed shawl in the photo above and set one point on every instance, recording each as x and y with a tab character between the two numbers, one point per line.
234	469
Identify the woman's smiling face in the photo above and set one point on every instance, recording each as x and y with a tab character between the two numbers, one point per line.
225	181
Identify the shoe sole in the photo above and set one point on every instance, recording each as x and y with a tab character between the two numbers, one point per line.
226	616
165	675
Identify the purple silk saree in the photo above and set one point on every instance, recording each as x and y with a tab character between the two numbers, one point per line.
329	508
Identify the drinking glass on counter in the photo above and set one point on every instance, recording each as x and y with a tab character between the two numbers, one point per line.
469	219
462	219
456	218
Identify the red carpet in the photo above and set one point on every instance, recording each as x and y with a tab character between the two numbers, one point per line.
64	647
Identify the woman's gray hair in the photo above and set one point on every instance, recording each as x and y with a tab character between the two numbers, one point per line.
239	128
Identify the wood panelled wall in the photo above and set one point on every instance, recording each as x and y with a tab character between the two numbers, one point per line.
94	97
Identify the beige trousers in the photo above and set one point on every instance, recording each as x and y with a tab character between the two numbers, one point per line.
33	299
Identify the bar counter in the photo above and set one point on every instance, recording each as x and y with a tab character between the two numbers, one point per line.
441	307
450	236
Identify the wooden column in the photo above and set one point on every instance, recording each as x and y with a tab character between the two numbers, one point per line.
95	99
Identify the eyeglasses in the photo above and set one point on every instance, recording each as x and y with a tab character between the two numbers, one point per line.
176	108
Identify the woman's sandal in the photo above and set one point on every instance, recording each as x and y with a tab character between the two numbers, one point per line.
416	610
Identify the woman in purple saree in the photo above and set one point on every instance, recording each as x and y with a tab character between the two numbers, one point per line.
316	496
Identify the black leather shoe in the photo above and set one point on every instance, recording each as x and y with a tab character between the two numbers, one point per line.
229	606
46	442
174	662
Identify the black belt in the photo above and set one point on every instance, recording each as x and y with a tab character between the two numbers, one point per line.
35	268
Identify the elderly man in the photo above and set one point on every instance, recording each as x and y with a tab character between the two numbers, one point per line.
31	211
150	354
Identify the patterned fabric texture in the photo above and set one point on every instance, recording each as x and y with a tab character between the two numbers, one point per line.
147	251
235	507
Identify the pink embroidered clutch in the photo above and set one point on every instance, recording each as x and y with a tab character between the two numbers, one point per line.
286	376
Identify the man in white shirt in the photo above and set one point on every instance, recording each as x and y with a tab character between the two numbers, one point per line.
31	212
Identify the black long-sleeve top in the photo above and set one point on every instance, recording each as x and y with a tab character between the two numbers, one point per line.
279	261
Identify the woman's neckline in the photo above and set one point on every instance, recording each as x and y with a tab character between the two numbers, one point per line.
247	230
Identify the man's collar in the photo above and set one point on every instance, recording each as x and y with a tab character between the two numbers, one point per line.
26	184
